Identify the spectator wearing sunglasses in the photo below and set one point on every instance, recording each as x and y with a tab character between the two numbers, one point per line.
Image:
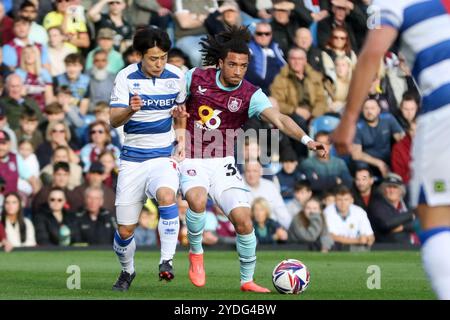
54	224
266	58
100	140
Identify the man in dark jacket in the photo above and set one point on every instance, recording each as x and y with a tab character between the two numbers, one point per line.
363	188
391	220
94	224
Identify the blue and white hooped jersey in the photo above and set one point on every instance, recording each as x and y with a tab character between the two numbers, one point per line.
149	132
424	30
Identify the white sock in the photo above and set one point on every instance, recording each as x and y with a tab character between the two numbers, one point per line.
124	250
168	228
436	259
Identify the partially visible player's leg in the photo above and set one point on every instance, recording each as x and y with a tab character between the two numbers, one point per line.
234	202
130	196
195	222
124	244
162	185
435	239
168	228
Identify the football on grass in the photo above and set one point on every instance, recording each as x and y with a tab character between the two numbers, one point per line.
290	276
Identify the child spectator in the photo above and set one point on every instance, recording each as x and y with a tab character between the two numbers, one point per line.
30	160
309	227
77	82
28	129
108	159
302	193
53	224
267	231
289	175
145	233
19	229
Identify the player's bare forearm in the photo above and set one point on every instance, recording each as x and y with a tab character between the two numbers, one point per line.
120	116
284	123
180	128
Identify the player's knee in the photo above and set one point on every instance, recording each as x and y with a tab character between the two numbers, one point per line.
165	197
197	200
244	226
125	232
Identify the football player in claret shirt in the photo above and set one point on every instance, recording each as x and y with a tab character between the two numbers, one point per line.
219	102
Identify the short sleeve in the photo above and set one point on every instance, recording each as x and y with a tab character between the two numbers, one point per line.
120	96
44	52
9	56
258	103
390	12
395	125
358	135
188	80
181	98
366	228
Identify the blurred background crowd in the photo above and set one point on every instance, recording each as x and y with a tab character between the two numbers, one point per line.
59	155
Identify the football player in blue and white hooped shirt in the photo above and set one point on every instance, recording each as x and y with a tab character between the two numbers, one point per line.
424	30
144	94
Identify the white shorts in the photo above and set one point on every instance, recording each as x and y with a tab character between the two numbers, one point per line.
430	168
138	181
215	175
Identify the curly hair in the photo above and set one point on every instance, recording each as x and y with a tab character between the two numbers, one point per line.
215	48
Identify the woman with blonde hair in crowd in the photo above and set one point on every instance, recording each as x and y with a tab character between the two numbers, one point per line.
267	230
37	80
19	229
343	77
309	227
57	134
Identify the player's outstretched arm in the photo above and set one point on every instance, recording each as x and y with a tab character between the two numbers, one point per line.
120	116
290	128
377	43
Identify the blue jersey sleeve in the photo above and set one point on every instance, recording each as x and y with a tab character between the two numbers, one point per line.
188	77
258	103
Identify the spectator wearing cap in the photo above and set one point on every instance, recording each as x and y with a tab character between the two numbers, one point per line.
60	179
289	174
325	173
391	219
15	103
105	42
227	15
347	223
95	178
114	19
12	51
94	224
38	34
72	21
4	125
266	57
346	14
13	169
102	80
299	84
284	24
372	142
260	187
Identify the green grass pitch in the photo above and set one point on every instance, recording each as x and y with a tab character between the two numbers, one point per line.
337	275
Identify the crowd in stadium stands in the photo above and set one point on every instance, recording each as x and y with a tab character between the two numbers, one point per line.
59	155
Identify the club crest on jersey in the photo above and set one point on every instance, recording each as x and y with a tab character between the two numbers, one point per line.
192	172
234	104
